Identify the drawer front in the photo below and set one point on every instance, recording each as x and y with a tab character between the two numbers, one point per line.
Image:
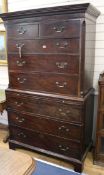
45	63
29	31
70	28
46	142
45	82
52	107
45	125
43	46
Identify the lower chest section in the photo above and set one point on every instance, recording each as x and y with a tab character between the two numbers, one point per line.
46	123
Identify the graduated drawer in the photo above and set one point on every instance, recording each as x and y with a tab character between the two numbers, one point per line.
48	107
45	142
45	125
43	46
44	63
69	28
45	82
22	31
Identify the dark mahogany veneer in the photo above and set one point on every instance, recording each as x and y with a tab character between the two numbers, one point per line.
51	65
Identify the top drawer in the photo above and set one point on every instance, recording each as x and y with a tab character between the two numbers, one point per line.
69	28
61	109
58	29
23	31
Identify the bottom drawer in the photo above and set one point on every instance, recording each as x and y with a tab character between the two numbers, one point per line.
46	142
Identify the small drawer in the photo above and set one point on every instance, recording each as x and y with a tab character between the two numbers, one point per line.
46	142
45	125
22	31
69	28
48	107
43	46
45	82
44	63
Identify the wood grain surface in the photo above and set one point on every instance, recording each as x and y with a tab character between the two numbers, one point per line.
15	163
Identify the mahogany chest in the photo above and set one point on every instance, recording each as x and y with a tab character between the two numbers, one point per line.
51	65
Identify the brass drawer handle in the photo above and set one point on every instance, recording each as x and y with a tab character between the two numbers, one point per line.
64	128
61	65
19	47
62	45
21	30
62	148
19	103
20	63
59	29
17	94
61	85
21	134
81	93
21	80
20	120
64	113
